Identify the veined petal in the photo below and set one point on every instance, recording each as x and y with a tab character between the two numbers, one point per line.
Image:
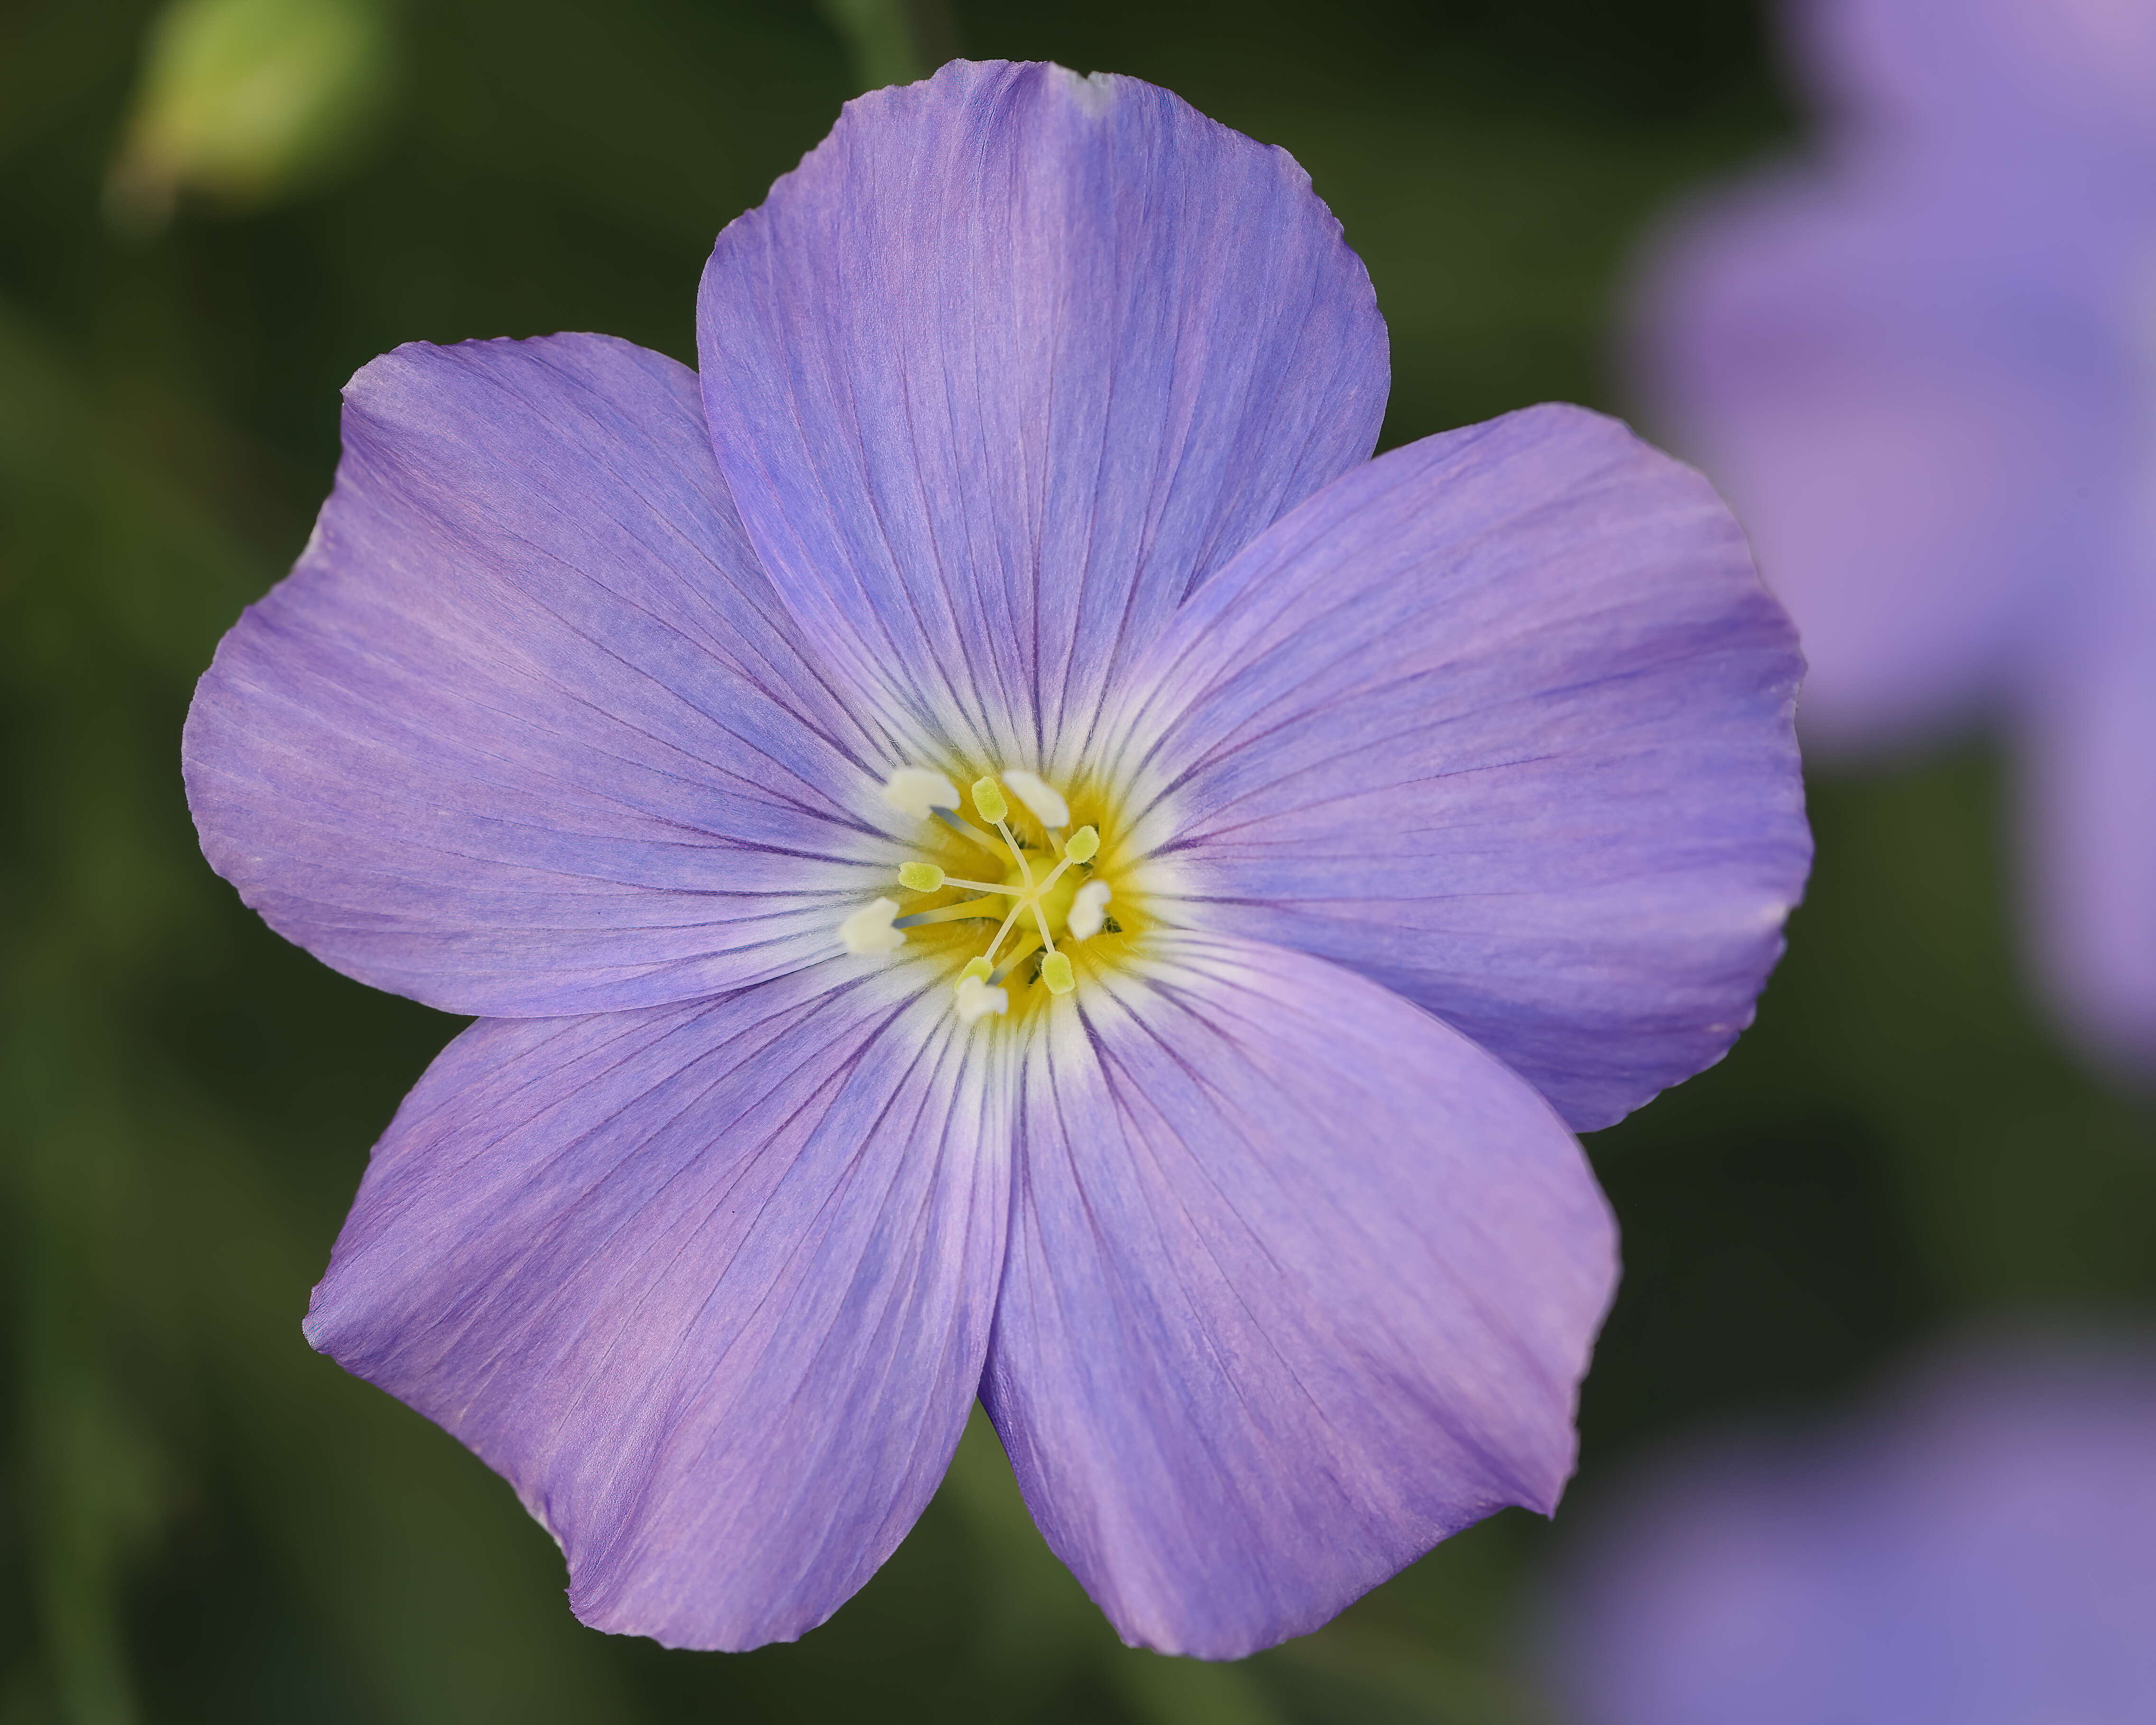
1299	1282
1914	402
1502	721
526	732
709	1284
1011	363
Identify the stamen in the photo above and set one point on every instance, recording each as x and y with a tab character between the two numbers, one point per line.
1045	804
1017	905
967	830
1022	895
869	929
973	909
977	885
1089	910
977	998
918	792
1017	852
1026	946
1054	875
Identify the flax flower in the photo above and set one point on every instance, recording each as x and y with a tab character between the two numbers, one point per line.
1979	1549
1921	363
996	851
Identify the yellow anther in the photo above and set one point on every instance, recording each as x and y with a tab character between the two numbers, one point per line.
918	792
1042	801
920	876
989	799
869	929
1056	972
977	969
1085	845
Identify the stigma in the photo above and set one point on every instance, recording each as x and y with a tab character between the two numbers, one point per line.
1010	888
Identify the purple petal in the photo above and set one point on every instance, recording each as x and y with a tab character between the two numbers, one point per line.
1979	69
1910	398
1502	721
2089	799
711	1284
526	732
1299	1281
1014	361
1983	1554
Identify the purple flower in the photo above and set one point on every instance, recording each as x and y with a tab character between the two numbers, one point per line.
1924	368
1982	1551
996	851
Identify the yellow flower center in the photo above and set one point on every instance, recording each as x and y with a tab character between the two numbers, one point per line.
1014	885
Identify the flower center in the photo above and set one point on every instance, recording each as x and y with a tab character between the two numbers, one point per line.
1015	895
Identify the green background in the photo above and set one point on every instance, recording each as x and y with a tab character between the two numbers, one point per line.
201	1520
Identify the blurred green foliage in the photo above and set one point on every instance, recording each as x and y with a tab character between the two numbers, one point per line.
245	101
201	1520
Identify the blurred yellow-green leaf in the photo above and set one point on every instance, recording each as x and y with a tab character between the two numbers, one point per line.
246	101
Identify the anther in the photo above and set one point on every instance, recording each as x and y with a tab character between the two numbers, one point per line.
1044	802
1085	845
976	999
1056	972
989	799
920	876
976	969
869	929
1089	910
918	792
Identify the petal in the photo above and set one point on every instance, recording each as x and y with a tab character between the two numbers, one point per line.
1978	1550
709	1284
2088	797
1974	69
1502	721
1299	1281
1910	400
525	732
1014	361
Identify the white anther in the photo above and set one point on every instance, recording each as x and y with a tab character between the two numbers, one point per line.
918	792
1089	910
1048	806
869	929
977	998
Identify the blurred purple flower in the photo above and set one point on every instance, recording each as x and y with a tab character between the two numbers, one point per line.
1983	1552
1923	370
1340	832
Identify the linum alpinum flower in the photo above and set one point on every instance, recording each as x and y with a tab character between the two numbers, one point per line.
1923	364
1979	1548
997	852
